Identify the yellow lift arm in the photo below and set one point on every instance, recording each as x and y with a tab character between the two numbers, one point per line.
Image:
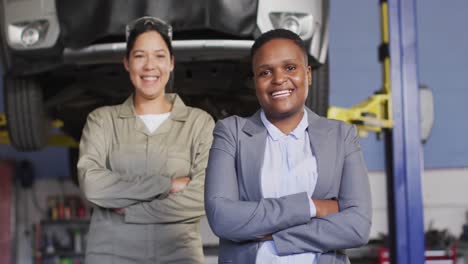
374	113
59	139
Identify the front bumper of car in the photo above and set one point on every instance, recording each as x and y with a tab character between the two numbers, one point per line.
38	42
184	50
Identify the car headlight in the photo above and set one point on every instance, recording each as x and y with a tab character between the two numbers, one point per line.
301	24
292	24
27	34
30	36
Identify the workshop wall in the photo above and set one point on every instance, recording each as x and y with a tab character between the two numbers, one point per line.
443	209
52	162
443	67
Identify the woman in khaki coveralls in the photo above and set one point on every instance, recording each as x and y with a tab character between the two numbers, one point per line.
142	163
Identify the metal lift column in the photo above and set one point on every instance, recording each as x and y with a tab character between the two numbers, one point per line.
403	143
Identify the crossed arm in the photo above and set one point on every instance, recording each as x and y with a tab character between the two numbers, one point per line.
148	199
287	218
322	207
102	186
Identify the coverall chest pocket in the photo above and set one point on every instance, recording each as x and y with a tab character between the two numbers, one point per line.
178	162
129	161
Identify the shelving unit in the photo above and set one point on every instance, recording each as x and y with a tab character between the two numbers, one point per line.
60	241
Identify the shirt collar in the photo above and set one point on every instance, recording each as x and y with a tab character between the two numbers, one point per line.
179	111
276	134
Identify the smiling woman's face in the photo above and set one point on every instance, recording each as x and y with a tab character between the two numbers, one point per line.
282	78
149	65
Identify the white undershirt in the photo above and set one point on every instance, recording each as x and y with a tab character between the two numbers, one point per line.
153	121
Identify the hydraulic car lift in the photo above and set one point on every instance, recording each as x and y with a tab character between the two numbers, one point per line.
56	139
394	110
403	142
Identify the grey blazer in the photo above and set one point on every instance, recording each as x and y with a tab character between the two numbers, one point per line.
239	215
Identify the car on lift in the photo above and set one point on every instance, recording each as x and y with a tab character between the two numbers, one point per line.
62	59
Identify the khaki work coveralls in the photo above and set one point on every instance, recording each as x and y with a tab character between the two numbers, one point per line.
122	165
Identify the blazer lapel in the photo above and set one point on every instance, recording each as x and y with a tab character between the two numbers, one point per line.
251	153
318	135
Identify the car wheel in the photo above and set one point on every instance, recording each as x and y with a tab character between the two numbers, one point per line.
26	118
317	100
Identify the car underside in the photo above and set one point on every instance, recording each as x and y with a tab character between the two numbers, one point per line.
65	60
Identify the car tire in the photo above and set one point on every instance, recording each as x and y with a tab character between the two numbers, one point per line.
26	117
318	98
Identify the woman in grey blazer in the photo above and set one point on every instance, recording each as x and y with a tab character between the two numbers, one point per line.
286	184
142	163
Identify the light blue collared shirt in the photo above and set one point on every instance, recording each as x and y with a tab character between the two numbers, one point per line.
289	167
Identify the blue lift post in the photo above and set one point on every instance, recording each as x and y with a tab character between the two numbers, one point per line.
403	143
